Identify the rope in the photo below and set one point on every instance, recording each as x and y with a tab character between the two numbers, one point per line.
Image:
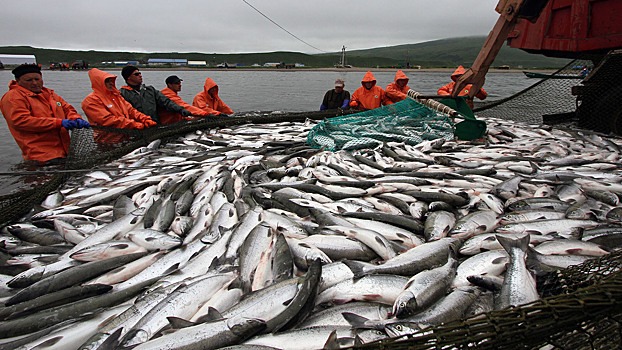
435	105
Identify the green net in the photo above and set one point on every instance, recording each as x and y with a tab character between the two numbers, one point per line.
407	121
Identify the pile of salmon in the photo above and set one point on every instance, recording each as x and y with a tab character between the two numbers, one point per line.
247	238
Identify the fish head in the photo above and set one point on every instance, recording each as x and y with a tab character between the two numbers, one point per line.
246	327
404	305
399	329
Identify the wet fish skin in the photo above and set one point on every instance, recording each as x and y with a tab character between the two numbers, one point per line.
107	250
438	224
36	235
425	288
153	239
451	307
46	318
70	277
211	335
519	286
474	223
182	302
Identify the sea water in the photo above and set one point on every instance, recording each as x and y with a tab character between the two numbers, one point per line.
250	90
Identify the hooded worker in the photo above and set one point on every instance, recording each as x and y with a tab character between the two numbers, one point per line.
209	101
106	107
369	96
173	87
449	88
37	117
397	90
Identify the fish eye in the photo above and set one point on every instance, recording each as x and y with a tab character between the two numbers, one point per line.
398	327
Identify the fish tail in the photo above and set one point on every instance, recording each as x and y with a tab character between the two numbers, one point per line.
508	243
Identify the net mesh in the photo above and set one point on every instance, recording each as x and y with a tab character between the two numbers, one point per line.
407	121
550	95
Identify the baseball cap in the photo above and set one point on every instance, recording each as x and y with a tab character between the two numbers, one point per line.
173	79
339	82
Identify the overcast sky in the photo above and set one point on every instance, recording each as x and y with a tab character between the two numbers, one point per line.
233	26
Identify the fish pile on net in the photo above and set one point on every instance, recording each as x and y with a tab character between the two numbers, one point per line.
247	238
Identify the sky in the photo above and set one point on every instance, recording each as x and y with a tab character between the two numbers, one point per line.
238	26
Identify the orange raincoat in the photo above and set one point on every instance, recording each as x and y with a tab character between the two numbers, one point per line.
35	120
394	92
449	88
167	117
369	99
108	108
211	104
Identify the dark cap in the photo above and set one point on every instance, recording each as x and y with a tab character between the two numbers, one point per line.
127	71
25	69
173	79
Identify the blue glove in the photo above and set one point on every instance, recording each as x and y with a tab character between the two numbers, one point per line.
81	123
69	124
186	113
346	104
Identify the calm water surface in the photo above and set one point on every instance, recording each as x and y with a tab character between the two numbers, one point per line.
246	91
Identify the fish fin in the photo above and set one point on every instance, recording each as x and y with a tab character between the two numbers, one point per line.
356	321
212	315
50	342
178	323
358	341
112	342
332	342
171	269
356	267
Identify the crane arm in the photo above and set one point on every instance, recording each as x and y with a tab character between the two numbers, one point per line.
510	11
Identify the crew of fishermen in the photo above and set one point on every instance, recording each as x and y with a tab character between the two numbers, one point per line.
39	119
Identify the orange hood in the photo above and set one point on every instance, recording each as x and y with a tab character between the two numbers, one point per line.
209	83
369	77
457	73
399	75
98	84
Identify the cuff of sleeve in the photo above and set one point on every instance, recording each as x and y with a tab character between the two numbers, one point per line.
59	123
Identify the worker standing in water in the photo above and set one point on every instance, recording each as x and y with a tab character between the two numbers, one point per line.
209	101
448	89
37	117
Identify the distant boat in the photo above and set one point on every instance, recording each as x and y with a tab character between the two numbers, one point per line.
552	76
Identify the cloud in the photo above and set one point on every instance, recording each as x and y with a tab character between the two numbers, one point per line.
232	26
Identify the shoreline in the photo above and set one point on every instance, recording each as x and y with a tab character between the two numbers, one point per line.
328	69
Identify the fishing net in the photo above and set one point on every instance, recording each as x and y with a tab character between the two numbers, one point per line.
548	96
407	121
98	145
584	313
581	308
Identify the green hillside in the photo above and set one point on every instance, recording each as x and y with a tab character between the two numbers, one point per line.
432	54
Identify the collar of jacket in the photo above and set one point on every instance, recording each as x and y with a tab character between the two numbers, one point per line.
133	88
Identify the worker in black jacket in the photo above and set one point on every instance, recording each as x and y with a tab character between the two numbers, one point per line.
146	98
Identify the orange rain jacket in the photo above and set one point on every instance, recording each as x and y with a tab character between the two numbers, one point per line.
449	88
211	104
167	117
369	99
108	108
35	120
393	91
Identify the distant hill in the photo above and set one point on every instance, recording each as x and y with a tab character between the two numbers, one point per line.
431	54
